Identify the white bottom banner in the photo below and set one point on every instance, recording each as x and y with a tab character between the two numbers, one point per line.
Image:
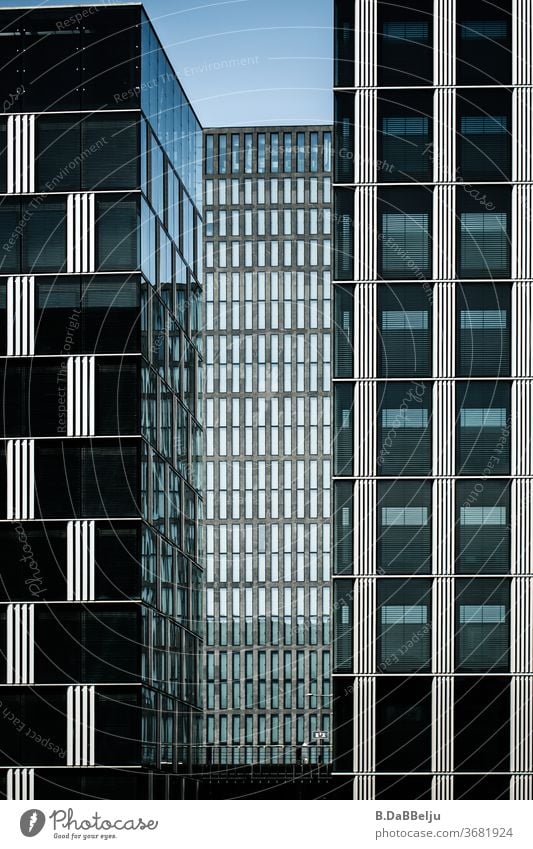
264	825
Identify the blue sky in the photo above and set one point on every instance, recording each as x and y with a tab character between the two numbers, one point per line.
248	61
251	61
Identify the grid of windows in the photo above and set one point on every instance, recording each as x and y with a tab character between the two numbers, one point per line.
431	381
267	417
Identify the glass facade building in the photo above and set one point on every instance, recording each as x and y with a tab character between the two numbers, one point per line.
267	418
100	270
433	375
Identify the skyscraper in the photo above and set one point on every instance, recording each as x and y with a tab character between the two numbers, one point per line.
100	608
267	419
432	399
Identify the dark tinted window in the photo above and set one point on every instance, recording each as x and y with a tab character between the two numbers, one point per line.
405	132
484	135
404	429
404	222
44	237
111	153
404	337
483	534
403	724
117	234
484	33
404	43
111	60
344	328
344	530
117	401
484	238
482	625
58	164
483	410
481	717
10	241
484	329
404	626
404	527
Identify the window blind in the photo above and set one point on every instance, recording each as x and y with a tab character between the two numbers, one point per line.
482	626
405	244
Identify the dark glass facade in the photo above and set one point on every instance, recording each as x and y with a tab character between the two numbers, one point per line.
432	386
100	434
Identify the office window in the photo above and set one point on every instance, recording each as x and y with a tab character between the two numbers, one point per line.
222	152
482	712
117	229
234	154
483	330
344	137
405	44
261	153
274	152
483	527
58	143
484	137
405	243
248	152
327	151
404	429
482	625
209	154
404	626
404	527
343	638
484	438
404	338
300	152
484	43
287	153
344	234
44	239
344	25
403	724
343	543
343	446
404	137
484	232
313	152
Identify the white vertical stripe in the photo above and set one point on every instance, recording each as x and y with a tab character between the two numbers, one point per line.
70	233
11	315
70	726
31	479
84	562
17	180
84	235
91	234
10	479
16	642
30	316
10	153
77	729
91	561
91	397
31	154
9	645
25	153
24	634
71	391
31	644
70	561
18	317
84	722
